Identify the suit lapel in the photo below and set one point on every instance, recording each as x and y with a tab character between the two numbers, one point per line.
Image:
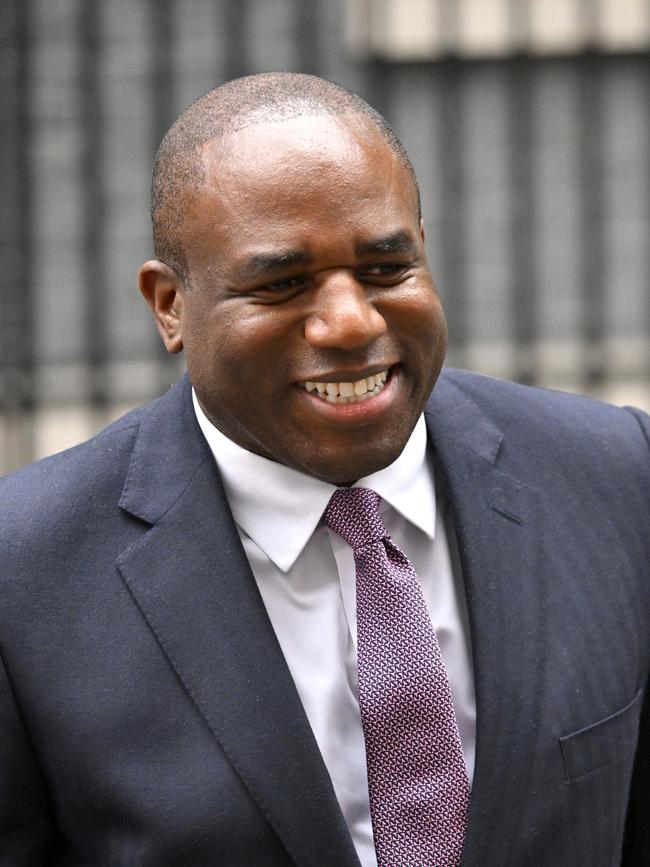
497	523
190	578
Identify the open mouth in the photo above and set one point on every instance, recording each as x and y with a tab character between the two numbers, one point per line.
348	392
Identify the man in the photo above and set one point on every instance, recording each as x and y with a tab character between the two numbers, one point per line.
189	675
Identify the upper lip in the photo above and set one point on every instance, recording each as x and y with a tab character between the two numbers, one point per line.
348	375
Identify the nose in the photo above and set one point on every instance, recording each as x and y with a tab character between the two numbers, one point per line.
343	317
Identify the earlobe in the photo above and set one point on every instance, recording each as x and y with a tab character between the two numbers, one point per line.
162	289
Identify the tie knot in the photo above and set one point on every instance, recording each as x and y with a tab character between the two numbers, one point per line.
353	514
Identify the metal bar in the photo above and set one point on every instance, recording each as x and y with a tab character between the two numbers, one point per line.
378	75
307	34
447	80
644	74
233	20
94	203
163	112
520	145
161	85
519	19
590	71
448	22
17	396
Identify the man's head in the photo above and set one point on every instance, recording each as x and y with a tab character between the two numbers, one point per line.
292	271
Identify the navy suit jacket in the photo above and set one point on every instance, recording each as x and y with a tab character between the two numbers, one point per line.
147	715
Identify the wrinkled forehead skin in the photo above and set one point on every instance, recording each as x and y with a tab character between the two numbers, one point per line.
318	156
333	141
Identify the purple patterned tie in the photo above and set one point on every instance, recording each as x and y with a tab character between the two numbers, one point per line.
418	785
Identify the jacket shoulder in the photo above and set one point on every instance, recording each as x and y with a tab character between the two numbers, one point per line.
512	404
67	484
548	432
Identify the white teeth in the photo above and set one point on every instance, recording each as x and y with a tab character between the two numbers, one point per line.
360	387
348	392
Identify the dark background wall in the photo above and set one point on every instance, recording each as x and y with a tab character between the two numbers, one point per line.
534	171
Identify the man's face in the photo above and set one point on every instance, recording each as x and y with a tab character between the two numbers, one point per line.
312	329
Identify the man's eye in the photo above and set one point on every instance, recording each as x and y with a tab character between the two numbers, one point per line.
289	284
385	270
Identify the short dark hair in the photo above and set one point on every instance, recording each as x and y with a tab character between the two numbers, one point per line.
178	168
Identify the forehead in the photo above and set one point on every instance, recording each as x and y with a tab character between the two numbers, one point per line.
333	142
298	179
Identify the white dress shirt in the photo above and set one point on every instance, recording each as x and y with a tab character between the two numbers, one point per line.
306	577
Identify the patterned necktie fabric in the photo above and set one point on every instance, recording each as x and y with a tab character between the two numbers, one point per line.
417	780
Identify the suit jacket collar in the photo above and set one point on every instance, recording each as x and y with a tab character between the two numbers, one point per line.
190	577
168	451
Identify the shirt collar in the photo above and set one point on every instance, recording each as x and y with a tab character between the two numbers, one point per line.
279	507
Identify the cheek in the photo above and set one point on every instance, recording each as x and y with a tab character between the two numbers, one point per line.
208	347
423	338
240	343
419	315
438	323
432	316
433	343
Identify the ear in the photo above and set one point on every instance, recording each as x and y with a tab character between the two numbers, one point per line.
422	230
164	293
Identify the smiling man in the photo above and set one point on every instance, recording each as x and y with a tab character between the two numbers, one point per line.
304	277
322	604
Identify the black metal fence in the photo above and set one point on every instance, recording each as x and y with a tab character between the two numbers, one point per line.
534	174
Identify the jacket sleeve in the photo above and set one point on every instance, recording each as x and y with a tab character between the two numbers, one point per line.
637	831
27	831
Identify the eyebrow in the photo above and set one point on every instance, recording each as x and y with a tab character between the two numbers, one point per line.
397	242
261	265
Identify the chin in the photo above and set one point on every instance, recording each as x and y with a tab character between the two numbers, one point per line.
344	470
